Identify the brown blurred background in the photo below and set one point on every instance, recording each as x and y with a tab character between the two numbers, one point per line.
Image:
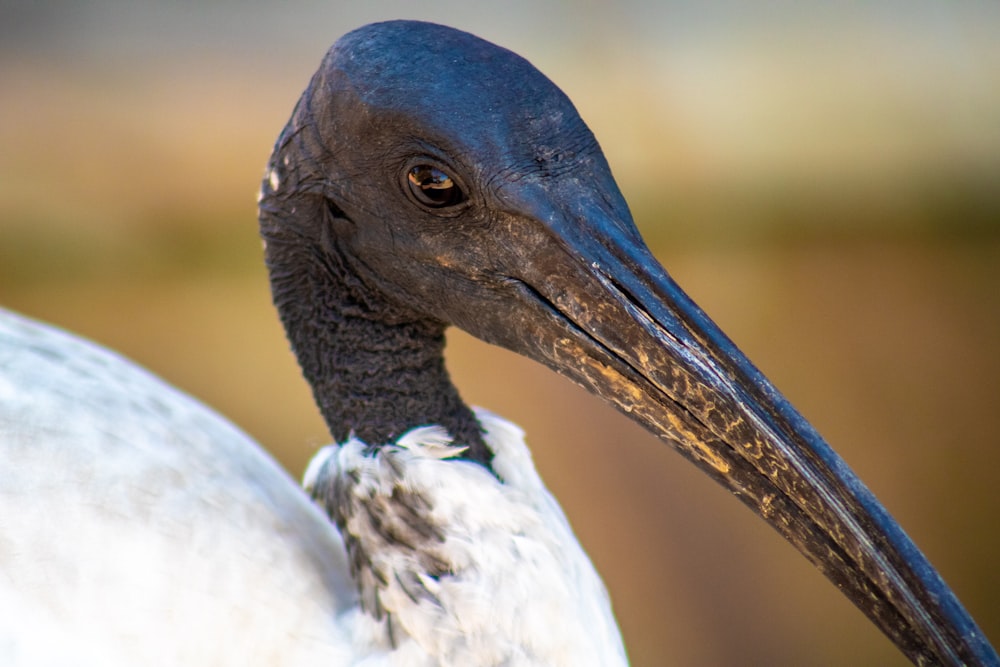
825	181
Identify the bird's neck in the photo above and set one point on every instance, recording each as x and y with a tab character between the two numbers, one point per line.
376	372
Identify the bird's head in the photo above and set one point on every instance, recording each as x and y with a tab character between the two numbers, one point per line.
450	182
450	169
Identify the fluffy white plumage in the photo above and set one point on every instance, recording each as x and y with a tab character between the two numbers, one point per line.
139	527
520	590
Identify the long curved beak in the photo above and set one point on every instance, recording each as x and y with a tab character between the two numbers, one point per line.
603	312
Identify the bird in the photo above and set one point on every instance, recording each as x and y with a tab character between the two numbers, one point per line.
427	178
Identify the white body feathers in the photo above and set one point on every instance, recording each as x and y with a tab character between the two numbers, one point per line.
139	527
519	589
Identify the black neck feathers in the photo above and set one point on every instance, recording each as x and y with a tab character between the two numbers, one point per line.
376	369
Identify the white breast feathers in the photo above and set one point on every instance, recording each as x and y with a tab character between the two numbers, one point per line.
458	566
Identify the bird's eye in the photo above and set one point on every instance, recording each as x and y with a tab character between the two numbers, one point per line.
432	187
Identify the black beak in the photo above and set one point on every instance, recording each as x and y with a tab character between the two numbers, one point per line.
602	311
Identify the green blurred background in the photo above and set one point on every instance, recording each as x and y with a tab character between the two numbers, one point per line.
824	180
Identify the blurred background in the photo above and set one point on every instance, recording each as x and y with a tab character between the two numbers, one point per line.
823	178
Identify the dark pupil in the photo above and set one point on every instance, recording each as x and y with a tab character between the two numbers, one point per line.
433	187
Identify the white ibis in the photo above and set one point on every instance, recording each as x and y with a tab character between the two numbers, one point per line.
426	178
